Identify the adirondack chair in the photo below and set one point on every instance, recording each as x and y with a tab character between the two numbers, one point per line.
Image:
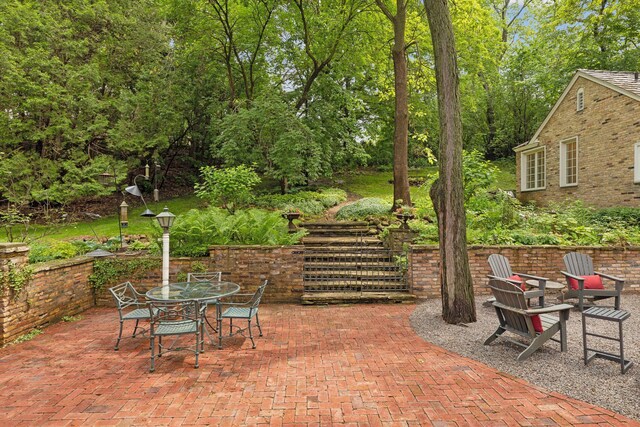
536	324
501	269
583	282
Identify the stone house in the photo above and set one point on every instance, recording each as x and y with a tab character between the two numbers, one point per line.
588	146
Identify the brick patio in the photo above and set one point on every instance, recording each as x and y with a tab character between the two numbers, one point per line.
356	365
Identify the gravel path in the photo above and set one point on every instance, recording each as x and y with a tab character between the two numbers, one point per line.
599	383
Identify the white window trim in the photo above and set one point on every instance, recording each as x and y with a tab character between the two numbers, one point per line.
523	169
636	163
563	160
580	99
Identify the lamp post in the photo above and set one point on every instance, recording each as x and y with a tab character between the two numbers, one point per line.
135	190
104	178
165	219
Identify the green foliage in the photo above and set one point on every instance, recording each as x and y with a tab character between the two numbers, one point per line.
363	208
229	188
16	278
111	271
27	337
195	231
501	220
52	249
308	202
271	136
71	318
16	224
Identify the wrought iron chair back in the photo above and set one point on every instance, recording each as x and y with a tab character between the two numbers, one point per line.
171	318
207	276
131	305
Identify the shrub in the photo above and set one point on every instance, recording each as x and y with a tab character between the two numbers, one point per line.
194	232
360	209
309	202
229	188
50	250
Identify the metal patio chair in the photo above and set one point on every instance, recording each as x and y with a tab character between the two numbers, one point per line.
175	318
207	276
580	273
537	325
245	311
501	269
131	305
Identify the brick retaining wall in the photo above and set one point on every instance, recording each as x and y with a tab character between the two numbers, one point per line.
543	261
251	265
60	289
57	289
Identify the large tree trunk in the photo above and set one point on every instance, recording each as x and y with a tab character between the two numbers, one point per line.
401	130
447	193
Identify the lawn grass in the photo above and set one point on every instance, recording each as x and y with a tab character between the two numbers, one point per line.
108	226
364	183
371	183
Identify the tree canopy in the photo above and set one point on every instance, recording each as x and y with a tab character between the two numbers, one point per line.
299	88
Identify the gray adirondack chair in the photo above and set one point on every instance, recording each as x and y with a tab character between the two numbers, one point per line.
501	269
515	317
579	265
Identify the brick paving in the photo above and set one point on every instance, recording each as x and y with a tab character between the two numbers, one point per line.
353	365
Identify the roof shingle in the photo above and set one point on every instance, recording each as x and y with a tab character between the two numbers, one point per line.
626	80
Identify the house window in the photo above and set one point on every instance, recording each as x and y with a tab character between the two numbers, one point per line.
636	163
580	100
533	170
569	162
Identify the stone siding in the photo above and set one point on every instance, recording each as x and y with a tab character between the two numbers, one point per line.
545	261
607	130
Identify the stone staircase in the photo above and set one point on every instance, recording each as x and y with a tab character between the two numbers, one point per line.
346	262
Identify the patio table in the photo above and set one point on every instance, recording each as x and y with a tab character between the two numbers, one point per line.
204	292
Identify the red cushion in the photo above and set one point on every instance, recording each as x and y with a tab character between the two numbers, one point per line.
517	278
537	323
590	282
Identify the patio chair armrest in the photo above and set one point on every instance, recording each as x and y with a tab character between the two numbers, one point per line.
531	276
513	282
572	276
608	276
234	303
551	309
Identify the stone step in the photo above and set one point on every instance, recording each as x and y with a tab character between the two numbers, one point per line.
346	258
336	224
353	276
395	282
355	232
350	266
341	241
356	297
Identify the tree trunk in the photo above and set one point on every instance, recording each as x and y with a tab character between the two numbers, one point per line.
447	193
401	130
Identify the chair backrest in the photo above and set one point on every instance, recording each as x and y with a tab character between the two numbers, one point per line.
205	276
125	295
254	302
511	302
500	266
578	264
174	311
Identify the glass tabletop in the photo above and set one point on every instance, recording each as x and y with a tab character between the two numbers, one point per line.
200	290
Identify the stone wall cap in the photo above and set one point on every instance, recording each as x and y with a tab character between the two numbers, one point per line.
564	248
240	247
9	247
61	263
